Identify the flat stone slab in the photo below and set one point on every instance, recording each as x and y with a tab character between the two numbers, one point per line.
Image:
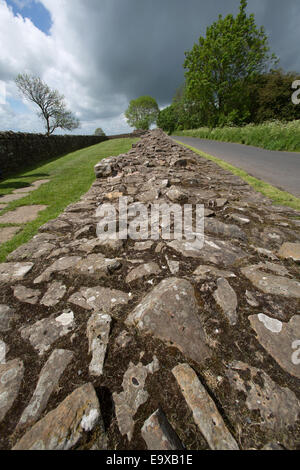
2	206
26	295
204	273
10	272
159	434
143	271
48	380
99	298
11	198
216	227
226	298
62	264
170	312
22	215
36	248
278	406
281	340
290	251
205	412
11	375
62	428
3	352
213	251
44	333
54	294
98	329
35	185
133	396
270	284
7	233
8	317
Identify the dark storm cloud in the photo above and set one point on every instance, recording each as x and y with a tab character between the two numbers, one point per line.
141	44
103	53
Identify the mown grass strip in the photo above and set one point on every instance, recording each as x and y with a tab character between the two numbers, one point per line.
70	177
278	197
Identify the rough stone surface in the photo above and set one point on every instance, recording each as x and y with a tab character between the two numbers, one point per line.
48	381
226	299
99	298
7	233
11	375
278	406
170	313
24	294
54	294
44	333
62	428
143	271
249	370
270	284
8	317
10	272
290	251
98	329
281	340
204	410
159	434
21	215
133	396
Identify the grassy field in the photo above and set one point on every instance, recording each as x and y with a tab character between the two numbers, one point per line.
70	176
272	135
278	197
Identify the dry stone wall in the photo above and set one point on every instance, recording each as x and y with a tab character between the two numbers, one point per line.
20	150
154	344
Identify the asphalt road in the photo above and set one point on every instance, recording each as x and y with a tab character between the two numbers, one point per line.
281	169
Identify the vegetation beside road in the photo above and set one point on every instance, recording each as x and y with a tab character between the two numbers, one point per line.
269	135
278	197
70	177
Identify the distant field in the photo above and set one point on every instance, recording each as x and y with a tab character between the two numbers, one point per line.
70	177
272	135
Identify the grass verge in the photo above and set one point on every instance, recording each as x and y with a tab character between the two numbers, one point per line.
269	135
278	197
70	177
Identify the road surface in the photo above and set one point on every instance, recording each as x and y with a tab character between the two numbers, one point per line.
281	169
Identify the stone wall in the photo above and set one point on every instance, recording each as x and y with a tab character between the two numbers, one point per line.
21	150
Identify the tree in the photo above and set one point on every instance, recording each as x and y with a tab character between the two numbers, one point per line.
142	112
100	132
52	106
220	65
271	97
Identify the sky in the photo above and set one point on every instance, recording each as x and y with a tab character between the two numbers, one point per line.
100	54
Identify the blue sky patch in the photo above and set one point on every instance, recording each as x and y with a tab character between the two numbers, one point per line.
33	10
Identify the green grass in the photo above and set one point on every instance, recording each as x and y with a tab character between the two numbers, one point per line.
278	197
70	177
270	135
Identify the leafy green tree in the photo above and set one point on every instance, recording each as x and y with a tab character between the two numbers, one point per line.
52	106
142	112
271	97
220	65
100	132
167	119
